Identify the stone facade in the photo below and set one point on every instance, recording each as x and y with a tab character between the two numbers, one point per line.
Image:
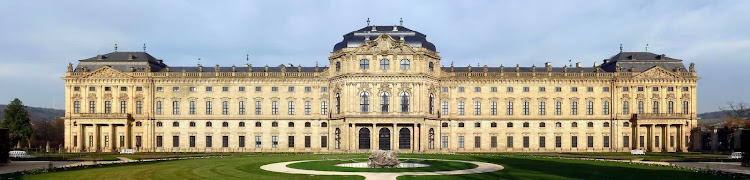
383	93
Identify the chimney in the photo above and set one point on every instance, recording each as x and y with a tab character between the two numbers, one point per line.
595	64
578	64
395	28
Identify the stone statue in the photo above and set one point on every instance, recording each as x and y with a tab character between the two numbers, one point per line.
70	67
381	159
692	67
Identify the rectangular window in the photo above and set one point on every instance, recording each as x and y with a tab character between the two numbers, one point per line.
558	89
308	89
445	89
107	107
460	89
655	89
225	89
460	141
209	141
158	107
323	89
655	107
573	141
324	107
91	141
107	89
460	108
605	89
625	89
76	88
526	142
209	108
590	141
605	107
671	141
509	89
542	89
175	141
242	89
574	108
224	141
123	107
558	141
275	89
493	89
192	89
573	89
625	108
175	107
509	108
225	107
477	89
542	108
192	141
493	108
493	141
656	141
274	141
477	142
685	89
122	141
525	108
542	142
76	107
158	89
138	140
509	142
477	108
323	141
176	89
558	107
444	141
685	105
307	107
606	141
589	108
159	141
291	107
641	141
640	89
139	107
640	107
138	88
274	107
589	89
258	89
242	141
258	108
290	141
525	89
242	107
625	141
445	107
670	107
258	141
291	89
307	141
192	107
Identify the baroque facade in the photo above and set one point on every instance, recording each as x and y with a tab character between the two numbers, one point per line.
384	90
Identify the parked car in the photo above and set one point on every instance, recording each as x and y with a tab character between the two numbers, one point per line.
18	154
127	151
736	155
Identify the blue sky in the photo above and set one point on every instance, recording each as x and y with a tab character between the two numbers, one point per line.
39	38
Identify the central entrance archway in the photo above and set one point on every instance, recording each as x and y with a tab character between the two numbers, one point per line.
384	139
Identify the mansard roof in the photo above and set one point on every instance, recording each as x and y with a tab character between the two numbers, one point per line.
122	61
642	61
411	37
242	69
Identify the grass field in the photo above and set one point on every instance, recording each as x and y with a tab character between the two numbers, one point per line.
248	167
330	165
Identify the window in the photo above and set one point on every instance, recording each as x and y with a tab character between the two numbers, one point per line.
431	66
138	124
258	108
338	66
323	124
107	107
526	142
123	107
625	141
258	124
385	64
670	107
542	89
509	141
176	107
338	103
640	107
384	102
76	107
493	124
192	141
323	89
525	124
493	108
558	107
290	141
509	89
460	108
241	107
308	89
509	108
258	89
460	124
241	124
589	89
364	64
139	88
558	89
291	124
510	124
625	124
274	107
590	124
589	108
308	124
107	89
493	141
444	142
307	141
192	124
477	108
209	141
493	89
640	89
542	108
290	89
625	108
431	104
175	124
656	107
542	141
175	141
477	142
477	89
275	89
625	89
590	141
159	141
324	107
558	124
558	141
685	106
192	107
76	88
574	108
685	89
404	64
209	88
655	89
192	89
444	89
525	89
606	124
525	108
574	141
291	107
274	141
224	124
477	124
431	139
258	141
404	102
241	141
175	89
209	124
542	124
606	141
460	89
574	124
460	141
445	107
158	89
158	107
364	102
241	89
274	124
605	89
573	89
209	108
308	107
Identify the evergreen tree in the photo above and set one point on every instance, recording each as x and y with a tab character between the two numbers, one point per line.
18	122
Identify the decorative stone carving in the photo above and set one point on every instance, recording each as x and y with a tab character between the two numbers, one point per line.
383	159
106	72
657	72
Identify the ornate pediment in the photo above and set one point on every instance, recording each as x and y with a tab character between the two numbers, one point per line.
106	72
657	73
384	44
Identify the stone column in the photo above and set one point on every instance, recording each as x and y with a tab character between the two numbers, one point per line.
665	137
81	138
394	138
113	138
649	138
680	138
374	137
97	138
652	137
128	136
636	137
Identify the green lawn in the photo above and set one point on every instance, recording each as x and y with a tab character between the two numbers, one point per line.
248	167
329	165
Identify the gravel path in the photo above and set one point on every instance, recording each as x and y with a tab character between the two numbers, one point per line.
482	167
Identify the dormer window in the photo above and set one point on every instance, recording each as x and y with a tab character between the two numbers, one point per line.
404	64
364	64
385	64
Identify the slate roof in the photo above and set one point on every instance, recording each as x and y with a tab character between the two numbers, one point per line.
521	69
641	61
242	69
122	61
411	37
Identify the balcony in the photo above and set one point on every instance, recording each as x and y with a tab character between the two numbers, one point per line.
663	116
103	115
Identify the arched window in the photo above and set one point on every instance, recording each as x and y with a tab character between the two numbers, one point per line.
242	124
625	124
404	64
656	107
432	66
291	124
323	124
158	124
338	66
510	124
385	102
175	124
225	124
525	124
337	138
257	124
274	124
445	124
364	102
493	124
404	138
432	103
431	139
364	64
574	124
307	124
606	124
558	124
385	64
404	102
209	124
364	138
192	124
542	124
338	103
590	124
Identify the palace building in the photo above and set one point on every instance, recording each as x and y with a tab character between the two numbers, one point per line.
385	89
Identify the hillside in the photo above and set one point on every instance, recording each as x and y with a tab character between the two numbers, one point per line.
37	113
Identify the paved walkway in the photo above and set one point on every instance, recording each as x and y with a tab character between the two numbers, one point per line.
482	167
15	166
734	167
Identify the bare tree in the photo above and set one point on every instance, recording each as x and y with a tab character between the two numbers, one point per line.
735	115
